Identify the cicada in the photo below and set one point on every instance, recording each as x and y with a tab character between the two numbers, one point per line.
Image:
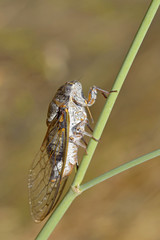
66	122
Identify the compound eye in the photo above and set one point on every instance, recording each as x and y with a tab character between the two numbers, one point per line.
67	89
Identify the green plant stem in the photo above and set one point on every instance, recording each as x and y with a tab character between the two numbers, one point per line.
71	195
117	86
120	169
63	206
56	216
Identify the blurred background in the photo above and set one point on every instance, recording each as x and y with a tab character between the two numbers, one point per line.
43	44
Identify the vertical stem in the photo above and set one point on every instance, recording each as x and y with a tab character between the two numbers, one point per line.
117	86
56	216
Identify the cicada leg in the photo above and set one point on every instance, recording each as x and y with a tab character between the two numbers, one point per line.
92	95
78	129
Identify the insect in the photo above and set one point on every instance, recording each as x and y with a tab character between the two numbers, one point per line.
66	121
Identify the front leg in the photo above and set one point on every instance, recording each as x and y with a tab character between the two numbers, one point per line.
80	100
92	95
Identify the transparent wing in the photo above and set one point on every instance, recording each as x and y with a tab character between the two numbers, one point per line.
45	176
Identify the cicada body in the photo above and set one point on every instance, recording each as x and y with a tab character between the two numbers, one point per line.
66	121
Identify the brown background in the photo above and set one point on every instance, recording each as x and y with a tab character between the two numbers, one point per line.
46	43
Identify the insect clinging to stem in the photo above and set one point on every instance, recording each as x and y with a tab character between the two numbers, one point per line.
66	121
